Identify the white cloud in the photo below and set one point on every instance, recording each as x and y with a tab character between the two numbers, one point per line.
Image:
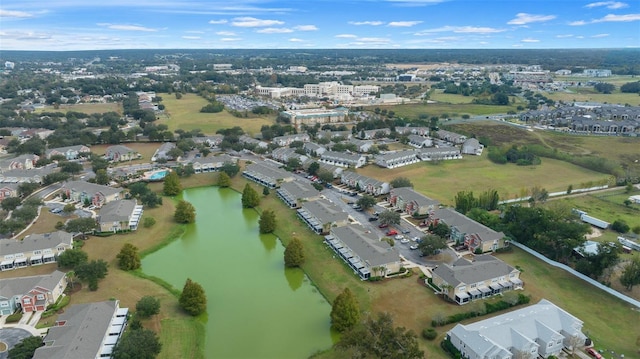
374	40
293	39
564	36
194	32
274	30
191	37
372	23
577	23
516	45
403	23
461	30
530	40
608	4
226	33
415	2
230	39
15	14
217	22
524	18
246	21
346	36
125	27
306	28
619	18
598	36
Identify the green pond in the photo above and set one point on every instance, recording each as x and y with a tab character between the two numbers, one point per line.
256	308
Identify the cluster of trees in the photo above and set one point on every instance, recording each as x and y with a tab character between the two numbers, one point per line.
25	348
631	87
87	271
604	87
21	215
142	192
465	201
431	244
520	155
171	184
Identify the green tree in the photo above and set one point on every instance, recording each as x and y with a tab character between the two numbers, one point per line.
399	182
72	168
267	221
193	299
185	212
148	222
294	253
430	245
138	344
71	258
147	306
102	177
138	189
366	201
250	197
128	258
380	339
224	180
441	230
620	226
11	203
230	168
27	188
81	225
26	348
313	169
325	176
265	191
69	208
389	217
92	272
172	186
345	312
631	274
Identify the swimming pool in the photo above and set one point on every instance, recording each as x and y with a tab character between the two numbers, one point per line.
158	175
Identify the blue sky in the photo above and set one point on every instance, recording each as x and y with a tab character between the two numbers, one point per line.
389	24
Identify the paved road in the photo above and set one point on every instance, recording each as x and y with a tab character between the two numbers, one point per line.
11	337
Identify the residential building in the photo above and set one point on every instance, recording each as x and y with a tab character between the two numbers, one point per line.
363	251
420	131
162	153
365	184
475	236
22	162
341	159
439	154
212	141
8	190
397	159
419	141
284	154
120	153
472	147
373	134
334	134
34	249
31	294
120	215
85	331
321	215
452	137
314	149
334	170
539	330
294	193
211	163
246	140
596	73
267	175
282	141
35	175
467	280
310	117
362	146
411	202
95	194
69	152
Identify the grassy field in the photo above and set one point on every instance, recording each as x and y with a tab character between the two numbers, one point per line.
440	96
185	114
450	110
87	108
443	180
146	149
590	95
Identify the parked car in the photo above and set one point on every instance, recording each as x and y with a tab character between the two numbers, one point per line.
413	247
373	219
399	237
383	225
392	232
416	239
404	241
406	231
593	353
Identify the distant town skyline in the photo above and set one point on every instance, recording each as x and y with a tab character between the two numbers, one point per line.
318	24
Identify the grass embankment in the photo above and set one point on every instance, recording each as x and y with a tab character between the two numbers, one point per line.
185	114
443	180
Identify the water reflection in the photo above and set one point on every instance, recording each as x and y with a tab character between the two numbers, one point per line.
295	277
269	241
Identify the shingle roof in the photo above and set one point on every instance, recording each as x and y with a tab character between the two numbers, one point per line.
325	211
463	271
117	211
35	242
299	190
90	188
408	194
366	245
11	287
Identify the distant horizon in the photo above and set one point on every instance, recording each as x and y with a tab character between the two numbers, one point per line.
80	25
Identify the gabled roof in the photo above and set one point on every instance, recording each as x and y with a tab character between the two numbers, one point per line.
117	211
366	245
65	149
325	211
299	190
82	334
465	224
119	149
90	188
463	271
408	194
34	242
11	287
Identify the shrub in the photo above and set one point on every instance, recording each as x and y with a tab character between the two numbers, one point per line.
14	318
429	333
148	222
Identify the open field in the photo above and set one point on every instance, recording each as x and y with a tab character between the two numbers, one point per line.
413	111
590	95
617	80
440	96
87	108
443	180
185	114
146	149
605	206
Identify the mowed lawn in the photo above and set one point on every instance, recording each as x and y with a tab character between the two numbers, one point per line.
413	111
87	108
590	95
146	149
442	181
185	114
